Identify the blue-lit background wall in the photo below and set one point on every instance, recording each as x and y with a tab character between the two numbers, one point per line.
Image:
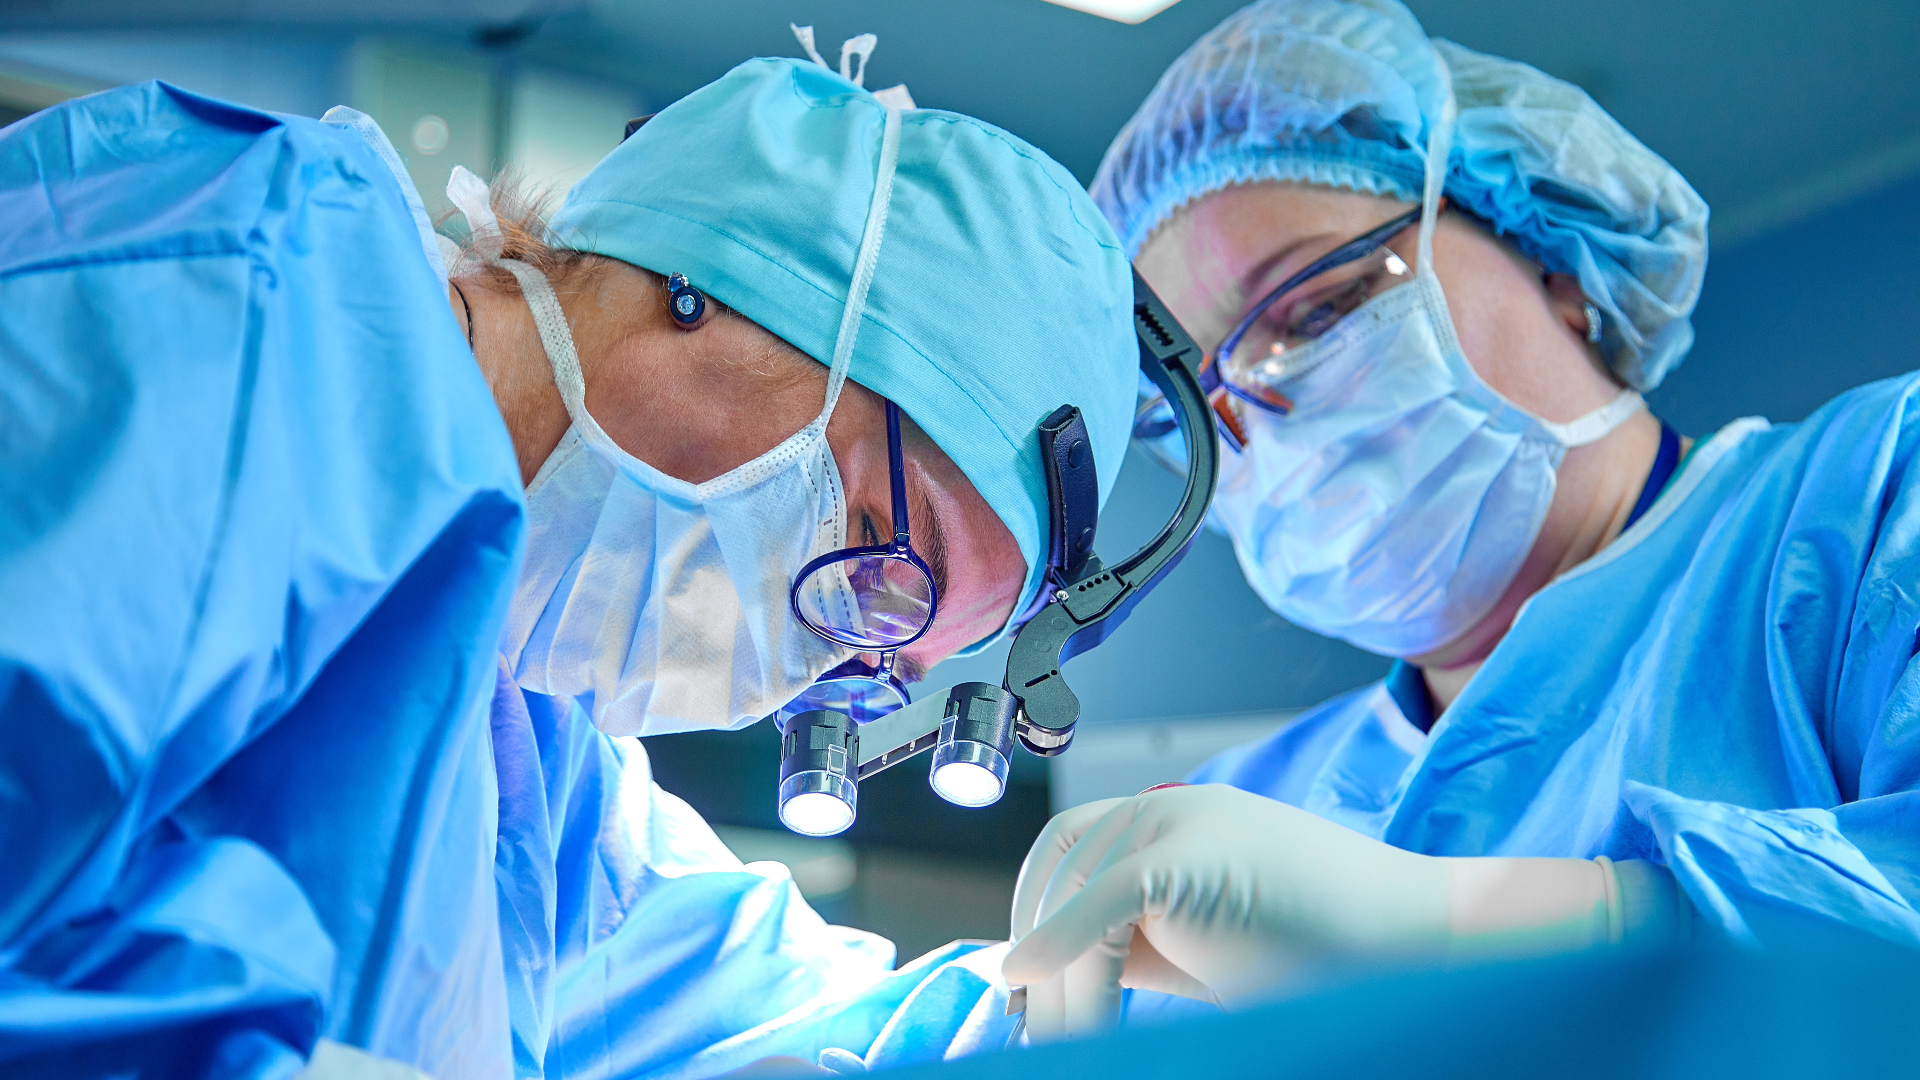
1801	126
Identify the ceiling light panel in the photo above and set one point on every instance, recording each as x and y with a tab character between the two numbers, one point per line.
1126	11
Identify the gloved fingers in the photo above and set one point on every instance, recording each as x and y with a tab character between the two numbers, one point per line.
1047	1009
1109	904
1148	969
1093	984
1117	835
1053	842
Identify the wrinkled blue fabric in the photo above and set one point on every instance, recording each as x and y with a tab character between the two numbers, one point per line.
1729	689
259	522
1346	93
638	945
249	466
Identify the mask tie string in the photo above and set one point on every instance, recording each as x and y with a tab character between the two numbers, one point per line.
468	193
863	264
805	34
862	47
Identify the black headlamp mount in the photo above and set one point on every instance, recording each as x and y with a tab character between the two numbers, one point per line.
1084	601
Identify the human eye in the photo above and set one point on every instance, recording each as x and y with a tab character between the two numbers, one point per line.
869	536
1311	315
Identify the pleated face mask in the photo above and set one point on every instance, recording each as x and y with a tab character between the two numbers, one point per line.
662	605
1395	501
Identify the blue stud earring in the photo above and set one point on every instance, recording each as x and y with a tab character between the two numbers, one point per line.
686	302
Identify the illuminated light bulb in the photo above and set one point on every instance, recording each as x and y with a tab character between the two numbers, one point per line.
816	813
1126	11
965	784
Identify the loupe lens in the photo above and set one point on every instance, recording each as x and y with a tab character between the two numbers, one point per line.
856	692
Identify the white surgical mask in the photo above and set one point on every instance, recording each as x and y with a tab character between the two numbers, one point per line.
1396	502
662	605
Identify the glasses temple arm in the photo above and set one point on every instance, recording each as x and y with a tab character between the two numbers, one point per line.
896	471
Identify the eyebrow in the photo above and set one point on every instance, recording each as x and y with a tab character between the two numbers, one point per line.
1260	270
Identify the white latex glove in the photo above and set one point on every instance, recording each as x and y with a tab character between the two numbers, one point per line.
1214	893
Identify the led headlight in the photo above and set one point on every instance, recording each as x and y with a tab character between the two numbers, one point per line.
819	762
970	761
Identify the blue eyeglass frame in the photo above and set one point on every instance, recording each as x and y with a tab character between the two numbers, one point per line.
1358	248
900	548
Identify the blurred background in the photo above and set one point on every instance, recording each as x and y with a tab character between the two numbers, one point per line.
1798	120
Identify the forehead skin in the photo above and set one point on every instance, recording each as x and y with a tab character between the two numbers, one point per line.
1215	256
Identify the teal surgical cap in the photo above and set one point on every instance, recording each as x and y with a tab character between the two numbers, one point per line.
1345	93
1000	292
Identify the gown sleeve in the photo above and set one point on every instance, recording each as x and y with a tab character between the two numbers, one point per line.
637	945
1841	632
258	519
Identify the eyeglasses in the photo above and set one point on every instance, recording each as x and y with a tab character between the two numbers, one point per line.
893	604
1253	362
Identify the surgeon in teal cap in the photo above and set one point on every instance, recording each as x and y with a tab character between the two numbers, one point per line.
1646	687
339	557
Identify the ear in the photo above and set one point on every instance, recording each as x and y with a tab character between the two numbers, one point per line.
1568	302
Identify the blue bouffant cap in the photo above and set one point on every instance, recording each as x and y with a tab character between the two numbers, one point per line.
1345	93
1000	293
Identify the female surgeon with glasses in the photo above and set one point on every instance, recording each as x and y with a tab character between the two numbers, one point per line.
341	561
1647	687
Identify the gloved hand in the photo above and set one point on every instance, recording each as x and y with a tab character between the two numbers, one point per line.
1218	894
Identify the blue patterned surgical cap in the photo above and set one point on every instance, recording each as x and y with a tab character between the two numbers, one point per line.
1345	92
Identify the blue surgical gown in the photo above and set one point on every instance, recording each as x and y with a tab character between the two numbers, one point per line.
1729	689
260	779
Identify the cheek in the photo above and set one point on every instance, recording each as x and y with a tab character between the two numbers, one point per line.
1497	314
985	574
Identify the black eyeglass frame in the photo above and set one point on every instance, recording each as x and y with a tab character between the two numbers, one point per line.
1353	250
899	548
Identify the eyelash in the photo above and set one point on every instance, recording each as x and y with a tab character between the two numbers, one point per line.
869	536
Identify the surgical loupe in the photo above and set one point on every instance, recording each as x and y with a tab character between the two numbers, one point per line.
972	728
